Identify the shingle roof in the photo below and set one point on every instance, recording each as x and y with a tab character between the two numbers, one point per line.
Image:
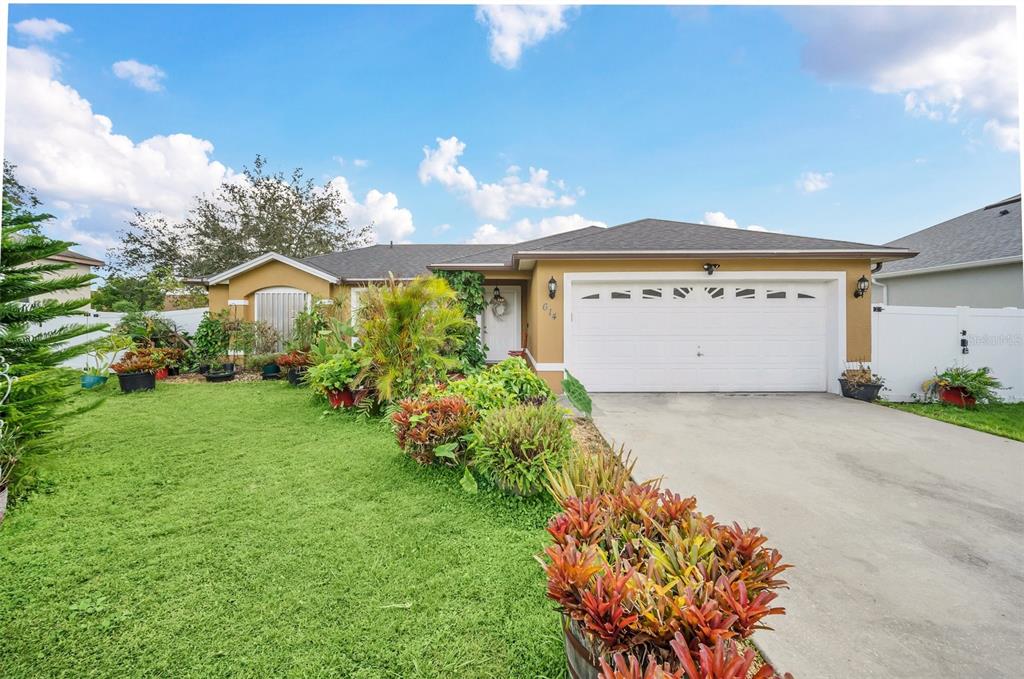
992	232
502	254
654	235
78	257
376	261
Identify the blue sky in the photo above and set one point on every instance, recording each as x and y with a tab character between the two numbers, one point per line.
860	124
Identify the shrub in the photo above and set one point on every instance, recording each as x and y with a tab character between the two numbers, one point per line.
506	384
512	446
168	357
258	361
138	361
640	569
211	339
406	331
482	392
150	328
423	424
979	383
293	359
334	374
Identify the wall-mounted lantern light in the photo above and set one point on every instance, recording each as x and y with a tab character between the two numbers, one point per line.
710	268
498	304
862	286
552	287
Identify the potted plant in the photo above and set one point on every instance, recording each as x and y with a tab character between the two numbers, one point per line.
225	372
266	364
295	362
136	372
103	356
860	383
172	360
334	377
964	387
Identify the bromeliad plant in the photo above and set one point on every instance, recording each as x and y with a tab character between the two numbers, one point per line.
636	570
425	425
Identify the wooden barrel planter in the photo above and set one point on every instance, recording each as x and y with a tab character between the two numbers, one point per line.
580	658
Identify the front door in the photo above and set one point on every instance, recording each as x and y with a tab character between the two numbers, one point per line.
502	334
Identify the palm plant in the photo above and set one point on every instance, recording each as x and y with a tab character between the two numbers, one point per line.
409	333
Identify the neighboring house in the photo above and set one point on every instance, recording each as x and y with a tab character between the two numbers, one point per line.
650	305
972	260
80	265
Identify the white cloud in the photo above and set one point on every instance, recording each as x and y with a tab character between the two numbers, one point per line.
513	27
809	182
390	222
490	201
721	219
68	152
144	76
41	29
525	229
360	162
441	228
945	62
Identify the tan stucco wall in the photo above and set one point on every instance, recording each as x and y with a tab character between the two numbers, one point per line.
544	315
272	274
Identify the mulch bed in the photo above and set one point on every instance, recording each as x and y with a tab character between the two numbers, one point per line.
587	436
191	378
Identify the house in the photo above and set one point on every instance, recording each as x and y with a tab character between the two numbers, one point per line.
79	265
972	260
651	305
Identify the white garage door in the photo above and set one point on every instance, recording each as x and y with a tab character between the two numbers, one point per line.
695	335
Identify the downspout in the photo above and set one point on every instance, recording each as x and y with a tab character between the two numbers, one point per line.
885	289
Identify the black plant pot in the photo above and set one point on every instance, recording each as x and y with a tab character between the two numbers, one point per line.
137	382
173	370
227	367
296	376
861	392
203	369
272	372
220	376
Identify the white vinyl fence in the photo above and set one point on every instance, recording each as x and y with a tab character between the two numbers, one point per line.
187	320
910	344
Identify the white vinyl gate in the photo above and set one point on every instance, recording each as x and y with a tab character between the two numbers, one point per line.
909	344
279	307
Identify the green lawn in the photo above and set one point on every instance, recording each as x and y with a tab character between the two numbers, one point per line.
1002	419
234	530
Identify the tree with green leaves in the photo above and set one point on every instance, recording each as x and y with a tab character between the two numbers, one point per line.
35	354
140	293
247	216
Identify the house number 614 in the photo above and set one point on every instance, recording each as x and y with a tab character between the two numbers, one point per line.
551	312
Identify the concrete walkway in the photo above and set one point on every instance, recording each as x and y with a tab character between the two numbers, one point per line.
907	534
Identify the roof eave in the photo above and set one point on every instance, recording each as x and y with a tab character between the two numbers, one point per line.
875	254
978	264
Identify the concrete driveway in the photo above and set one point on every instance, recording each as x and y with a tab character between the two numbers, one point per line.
907	534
